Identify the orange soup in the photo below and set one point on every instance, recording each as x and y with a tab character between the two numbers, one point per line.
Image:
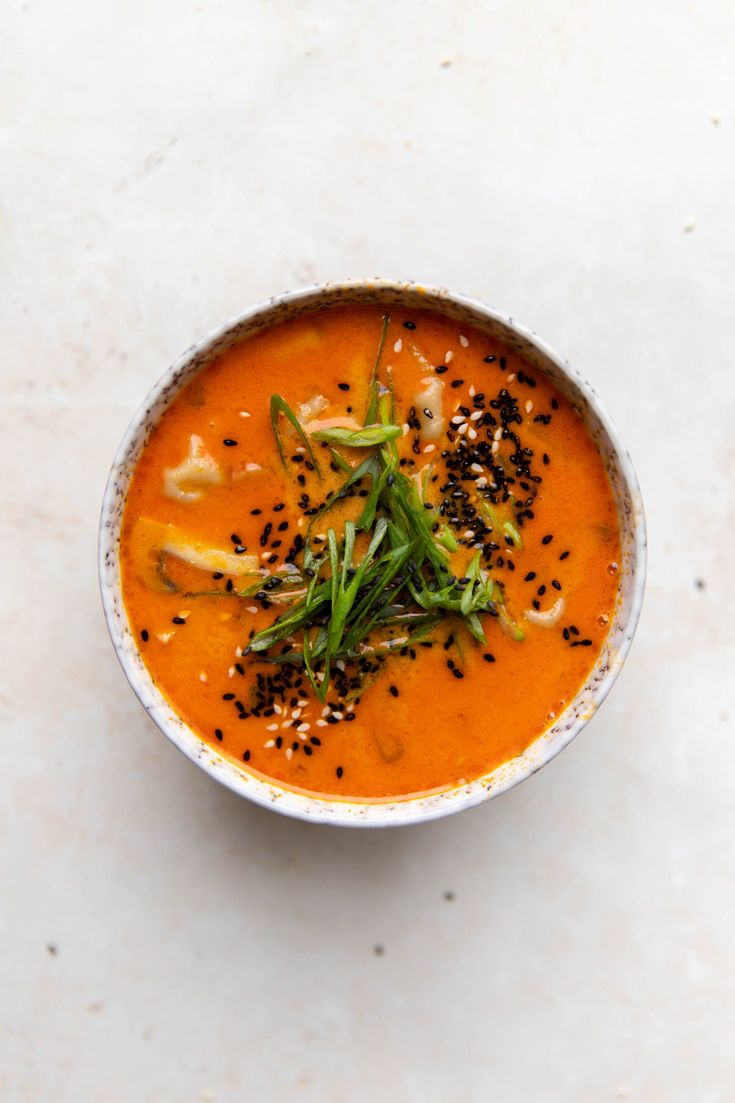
370	554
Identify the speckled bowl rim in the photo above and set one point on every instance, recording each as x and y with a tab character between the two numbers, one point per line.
547	745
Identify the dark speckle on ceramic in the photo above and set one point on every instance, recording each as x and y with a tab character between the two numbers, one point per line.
632	573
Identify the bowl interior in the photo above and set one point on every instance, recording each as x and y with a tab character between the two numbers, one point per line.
632	573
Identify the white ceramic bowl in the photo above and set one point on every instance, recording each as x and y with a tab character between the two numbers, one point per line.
578	712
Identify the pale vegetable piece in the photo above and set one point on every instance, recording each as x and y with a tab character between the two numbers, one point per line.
430	398
428	367
318	425
316	405
151	540
182	483
548	617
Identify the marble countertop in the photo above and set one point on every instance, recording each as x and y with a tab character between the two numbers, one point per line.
164	166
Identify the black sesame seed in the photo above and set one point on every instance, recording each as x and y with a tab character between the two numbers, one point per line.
564	555
489	360
178	620
279	506
457	383
228	696
547	539
230	586
246	756
541	591
545	458
457	673
339	771
307	750
556	584
343	386
406	325
393	691
229	442
441	369
235	538
218	734
488	657
144	635
428	413
255	512
554	404
530	576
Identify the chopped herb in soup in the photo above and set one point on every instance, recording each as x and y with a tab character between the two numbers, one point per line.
370	553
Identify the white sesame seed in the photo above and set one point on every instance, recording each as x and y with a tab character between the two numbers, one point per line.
277	709
301	736
244	413
271	727
296	714
481	482
458	419
164	637
429	448
398	345
202	676
476	415
231	672
495	447
469	534
269	743
300	449
238	651
302	704
252	467
448	357
287	724
265	554
463	341
498	434
472	434
529	406
252	608
476	467
338	715
184	614
405	428
289	753
511	377
304	728
472	391
321	723
463	429
326	711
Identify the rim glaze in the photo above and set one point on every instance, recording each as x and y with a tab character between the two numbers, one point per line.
460	308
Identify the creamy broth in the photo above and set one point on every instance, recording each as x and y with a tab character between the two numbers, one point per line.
212	552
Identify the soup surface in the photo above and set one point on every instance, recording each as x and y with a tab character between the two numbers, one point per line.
370	612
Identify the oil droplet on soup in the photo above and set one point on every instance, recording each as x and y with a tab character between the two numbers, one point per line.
370	591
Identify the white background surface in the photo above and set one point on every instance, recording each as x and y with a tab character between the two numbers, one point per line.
164	165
